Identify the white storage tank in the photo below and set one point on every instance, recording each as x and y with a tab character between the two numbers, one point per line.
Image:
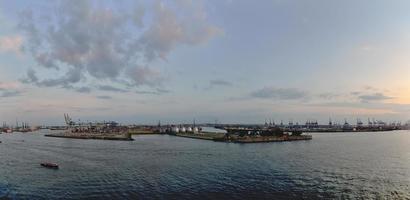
175	129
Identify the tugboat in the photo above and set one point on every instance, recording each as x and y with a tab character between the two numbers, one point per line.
49	165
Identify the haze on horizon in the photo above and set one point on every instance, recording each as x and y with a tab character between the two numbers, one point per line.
235	61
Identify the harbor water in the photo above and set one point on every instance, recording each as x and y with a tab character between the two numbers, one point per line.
332	165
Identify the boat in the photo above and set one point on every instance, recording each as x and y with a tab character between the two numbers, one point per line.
49	165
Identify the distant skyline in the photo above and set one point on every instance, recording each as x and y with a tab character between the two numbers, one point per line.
231	61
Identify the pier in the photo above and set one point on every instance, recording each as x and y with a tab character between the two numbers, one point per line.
242	135
234	133
109	130
123	137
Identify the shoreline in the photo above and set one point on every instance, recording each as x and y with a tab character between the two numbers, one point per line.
118	137
204	136
265	139
217	137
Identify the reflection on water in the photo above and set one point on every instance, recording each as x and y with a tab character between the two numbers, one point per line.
338	165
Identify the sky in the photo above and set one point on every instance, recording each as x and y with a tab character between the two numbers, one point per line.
230	61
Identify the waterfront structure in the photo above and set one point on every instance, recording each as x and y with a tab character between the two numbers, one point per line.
107	130
22	127
312	125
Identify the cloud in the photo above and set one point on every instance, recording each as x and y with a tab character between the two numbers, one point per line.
157	91
369	94
85	43
358	107
370	88
279	93
104	97
328	95
11	44
168	31
9	93
83	89
71	77
10	89
66	82
355	93
145	76
374	97
9	85
111	88
45	60
138	15
220	83
31	77
162	91
217	82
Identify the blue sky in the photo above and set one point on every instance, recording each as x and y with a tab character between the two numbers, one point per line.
231	61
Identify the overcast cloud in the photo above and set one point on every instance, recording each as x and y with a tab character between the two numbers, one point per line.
83	41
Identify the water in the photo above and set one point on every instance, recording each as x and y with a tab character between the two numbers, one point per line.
337	165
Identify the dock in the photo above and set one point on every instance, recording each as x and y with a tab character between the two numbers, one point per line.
202	135
123	137
222	137
106	130
263	139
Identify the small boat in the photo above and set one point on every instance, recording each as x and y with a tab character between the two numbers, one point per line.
49	165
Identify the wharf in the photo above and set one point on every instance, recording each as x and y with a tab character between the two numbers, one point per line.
220	137
261	139
203	136
115	136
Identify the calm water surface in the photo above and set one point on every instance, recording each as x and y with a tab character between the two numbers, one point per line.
337	165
